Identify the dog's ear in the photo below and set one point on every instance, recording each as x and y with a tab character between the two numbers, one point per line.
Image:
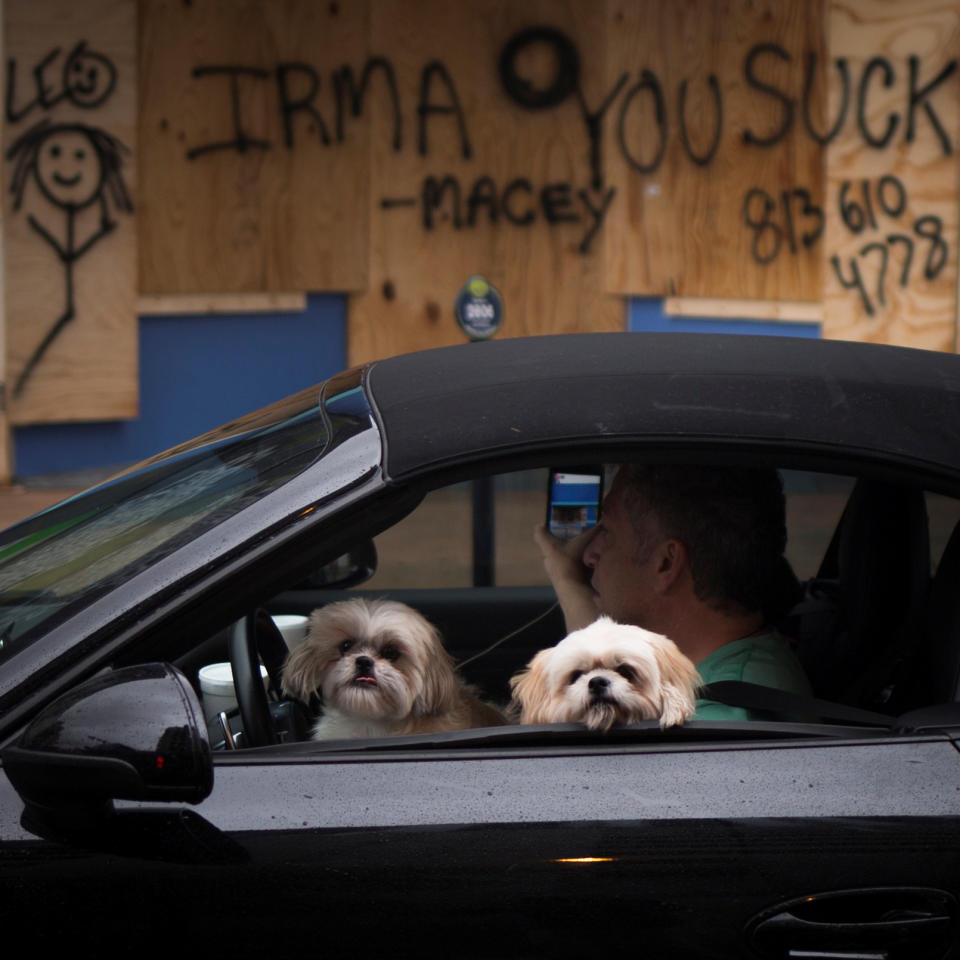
439	687
529	689
303	671
679	681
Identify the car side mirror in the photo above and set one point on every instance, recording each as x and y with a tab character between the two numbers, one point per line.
133	734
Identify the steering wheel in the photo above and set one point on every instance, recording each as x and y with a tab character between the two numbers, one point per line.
253	637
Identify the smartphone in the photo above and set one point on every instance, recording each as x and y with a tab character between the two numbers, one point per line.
573	500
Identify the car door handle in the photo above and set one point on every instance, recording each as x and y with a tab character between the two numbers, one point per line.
879	924
869	941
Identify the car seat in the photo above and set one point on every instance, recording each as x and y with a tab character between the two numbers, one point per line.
862	614
932	674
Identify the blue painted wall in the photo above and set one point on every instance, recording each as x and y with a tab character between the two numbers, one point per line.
197	372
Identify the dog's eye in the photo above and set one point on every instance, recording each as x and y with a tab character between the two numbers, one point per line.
390	653
574	677
346	645
627	672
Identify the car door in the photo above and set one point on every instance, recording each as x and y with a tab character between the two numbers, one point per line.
528	843
556	849
713	840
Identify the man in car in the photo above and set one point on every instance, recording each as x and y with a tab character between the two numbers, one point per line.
693	553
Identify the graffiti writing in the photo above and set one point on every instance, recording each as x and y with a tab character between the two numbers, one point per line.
891	198
878	72
760	214
85	79
859	203
518	203
74	167
643	114
441	198
297	88
564	84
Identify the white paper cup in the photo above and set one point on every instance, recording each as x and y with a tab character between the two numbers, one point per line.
293	628
216	688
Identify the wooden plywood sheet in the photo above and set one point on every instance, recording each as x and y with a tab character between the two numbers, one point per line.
796	311
892	187
257	169
172	304
494	174
69	210
713	148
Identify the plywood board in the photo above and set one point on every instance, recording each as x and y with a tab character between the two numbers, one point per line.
719	181
797	311
69	210
481	183
173	304
254	183
892	187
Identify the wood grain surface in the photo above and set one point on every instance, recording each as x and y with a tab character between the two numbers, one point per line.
518	173
892	192
250	186
71	114
709	139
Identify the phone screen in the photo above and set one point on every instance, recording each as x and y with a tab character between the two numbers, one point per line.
573	502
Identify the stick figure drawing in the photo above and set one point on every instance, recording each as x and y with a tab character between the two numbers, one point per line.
74	166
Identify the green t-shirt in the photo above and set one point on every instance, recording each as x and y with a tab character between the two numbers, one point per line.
765	659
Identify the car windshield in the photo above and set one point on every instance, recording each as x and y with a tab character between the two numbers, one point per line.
65	557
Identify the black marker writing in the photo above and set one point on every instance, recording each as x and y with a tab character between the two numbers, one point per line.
426	108
86	80
241	142
859	205
75	167
770	226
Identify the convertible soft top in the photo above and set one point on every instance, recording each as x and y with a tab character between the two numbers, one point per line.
850	403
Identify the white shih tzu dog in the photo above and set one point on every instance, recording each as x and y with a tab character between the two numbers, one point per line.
381	669
604	674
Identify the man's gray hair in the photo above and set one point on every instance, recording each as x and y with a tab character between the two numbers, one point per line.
732	521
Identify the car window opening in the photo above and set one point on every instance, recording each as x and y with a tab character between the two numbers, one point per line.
858	624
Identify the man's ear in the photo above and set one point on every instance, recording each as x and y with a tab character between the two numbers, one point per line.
671	563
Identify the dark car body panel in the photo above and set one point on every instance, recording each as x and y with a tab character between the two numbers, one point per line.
535	853
714	840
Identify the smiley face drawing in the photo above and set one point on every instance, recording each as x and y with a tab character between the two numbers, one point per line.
74	166
68	169
88	77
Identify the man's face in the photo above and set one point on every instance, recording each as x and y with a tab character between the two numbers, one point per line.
624	565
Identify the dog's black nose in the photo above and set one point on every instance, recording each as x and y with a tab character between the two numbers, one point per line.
364	666
598	685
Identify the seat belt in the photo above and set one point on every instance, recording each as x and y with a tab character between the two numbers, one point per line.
754	696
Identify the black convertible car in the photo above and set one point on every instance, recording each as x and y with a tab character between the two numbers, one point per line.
130	820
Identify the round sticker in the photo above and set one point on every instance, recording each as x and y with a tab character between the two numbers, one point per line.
478	309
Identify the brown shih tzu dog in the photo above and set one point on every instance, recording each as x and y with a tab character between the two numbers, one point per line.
381	669
604	674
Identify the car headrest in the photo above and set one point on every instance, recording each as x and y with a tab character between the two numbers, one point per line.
942	625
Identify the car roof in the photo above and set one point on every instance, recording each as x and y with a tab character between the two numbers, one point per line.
834	400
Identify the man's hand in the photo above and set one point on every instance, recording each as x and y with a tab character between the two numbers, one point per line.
562	560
